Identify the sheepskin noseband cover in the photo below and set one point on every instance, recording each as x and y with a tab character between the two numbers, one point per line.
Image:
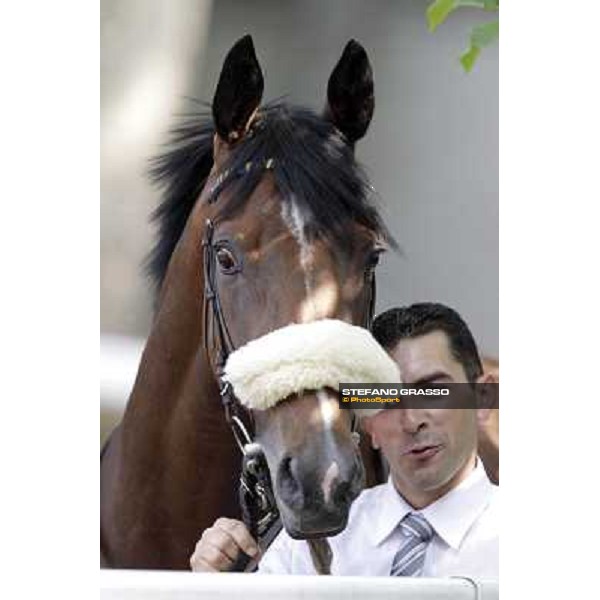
307	356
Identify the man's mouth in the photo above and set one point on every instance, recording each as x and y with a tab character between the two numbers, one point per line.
423	451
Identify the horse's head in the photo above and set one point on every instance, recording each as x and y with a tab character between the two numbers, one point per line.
283	232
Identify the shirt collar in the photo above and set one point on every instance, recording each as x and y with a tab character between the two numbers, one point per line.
451	516
391	510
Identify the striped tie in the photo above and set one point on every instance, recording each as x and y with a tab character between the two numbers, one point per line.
409	560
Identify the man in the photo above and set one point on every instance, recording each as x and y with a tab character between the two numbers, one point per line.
437	514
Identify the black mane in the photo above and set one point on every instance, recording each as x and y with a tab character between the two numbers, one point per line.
313	166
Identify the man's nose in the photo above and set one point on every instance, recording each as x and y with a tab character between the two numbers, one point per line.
412	419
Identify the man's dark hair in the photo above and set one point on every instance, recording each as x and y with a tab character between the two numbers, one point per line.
396	324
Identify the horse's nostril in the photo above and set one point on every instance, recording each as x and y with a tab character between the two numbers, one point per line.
346	490
288	484
343	495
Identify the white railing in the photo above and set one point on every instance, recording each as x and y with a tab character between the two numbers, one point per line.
174	585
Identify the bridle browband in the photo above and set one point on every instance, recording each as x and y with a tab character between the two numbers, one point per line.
257	501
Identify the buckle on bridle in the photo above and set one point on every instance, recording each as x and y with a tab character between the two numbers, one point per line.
240	433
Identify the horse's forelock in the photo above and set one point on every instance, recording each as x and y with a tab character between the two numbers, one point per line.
313	168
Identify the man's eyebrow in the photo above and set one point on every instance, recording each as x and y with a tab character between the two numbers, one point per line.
431	377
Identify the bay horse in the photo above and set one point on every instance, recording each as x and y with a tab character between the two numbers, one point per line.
271	200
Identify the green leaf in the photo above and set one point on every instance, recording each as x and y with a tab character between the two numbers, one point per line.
490	4
438	11
469	57
483	35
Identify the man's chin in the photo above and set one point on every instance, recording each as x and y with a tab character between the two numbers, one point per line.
423	481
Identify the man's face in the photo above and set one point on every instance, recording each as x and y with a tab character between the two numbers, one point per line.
429	450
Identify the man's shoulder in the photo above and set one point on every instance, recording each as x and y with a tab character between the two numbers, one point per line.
486	527
490	516
479	552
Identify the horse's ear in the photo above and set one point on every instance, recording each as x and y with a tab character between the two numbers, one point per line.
350	98
238	92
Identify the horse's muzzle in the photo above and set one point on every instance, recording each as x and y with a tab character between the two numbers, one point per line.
315	502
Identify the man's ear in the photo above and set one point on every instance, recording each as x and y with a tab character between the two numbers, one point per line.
238	92
366	424
350	96
487	396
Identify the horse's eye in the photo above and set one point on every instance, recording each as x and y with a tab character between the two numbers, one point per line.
226	260
373	259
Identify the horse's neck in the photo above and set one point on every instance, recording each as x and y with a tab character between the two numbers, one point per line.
174	350
171	468
176	464
174	417
174	377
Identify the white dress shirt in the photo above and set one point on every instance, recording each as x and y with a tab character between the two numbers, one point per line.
465	540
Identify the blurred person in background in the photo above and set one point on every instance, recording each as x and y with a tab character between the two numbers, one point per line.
489	430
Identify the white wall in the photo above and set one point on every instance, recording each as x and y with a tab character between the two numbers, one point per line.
150	53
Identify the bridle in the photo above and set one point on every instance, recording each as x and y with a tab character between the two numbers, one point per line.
217	325
257	500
